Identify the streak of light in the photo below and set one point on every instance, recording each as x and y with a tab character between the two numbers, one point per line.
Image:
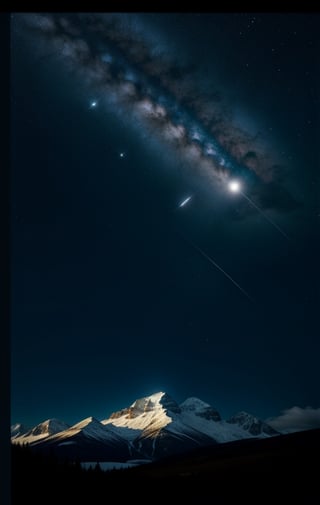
208	258
182	204
264	215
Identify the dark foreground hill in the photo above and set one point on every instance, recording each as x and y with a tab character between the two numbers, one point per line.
283	468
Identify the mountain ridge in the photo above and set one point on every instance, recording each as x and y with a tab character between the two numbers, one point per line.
152	427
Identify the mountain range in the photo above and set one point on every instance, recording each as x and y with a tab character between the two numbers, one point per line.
151	428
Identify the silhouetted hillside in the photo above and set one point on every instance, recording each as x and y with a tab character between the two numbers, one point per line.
249	471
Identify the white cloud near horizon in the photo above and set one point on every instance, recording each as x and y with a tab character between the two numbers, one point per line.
296	419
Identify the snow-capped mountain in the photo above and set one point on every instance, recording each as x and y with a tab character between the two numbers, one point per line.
200	409
49	427
42	431
252	424
18	429
152	427
165	427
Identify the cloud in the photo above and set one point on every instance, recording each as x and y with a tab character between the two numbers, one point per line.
296	419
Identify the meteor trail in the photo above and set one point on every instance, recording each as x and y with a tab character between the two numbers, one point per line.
235	187
264	215
208	258
185	201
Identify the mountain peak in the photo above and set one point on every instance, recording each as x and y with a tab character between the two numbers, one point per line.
156	402
18	429
193	403
85	422
243	418
252	424
50	427
200	408
155	397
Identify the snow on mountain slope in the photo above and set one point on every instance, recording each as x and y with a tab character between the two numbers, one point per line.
219	431
200	408
49	427
193	418
164	427
252	425
90	428
18	429
149	421
152	427
88	440
147	413
42	431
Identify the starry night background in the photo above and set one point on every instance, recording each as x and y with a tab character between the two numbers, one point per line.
111	297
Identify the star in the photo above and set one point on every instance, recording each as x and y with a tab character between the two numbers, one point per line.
234	186
93	104
122	154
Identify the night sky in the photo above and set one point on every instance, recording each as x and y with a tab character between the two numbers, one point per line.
118	291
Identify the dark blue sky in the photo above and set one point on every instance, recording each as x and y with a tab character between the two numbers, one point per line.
110	300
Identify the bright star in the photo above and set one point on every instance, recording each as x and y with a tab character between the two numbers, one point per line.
234	186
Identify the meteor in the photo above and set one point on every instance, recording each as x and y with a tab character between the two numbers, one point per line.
235	187
218	267
265	216
182	204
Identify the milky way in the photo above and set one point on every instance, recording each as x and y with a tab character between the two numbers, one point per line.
144	81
